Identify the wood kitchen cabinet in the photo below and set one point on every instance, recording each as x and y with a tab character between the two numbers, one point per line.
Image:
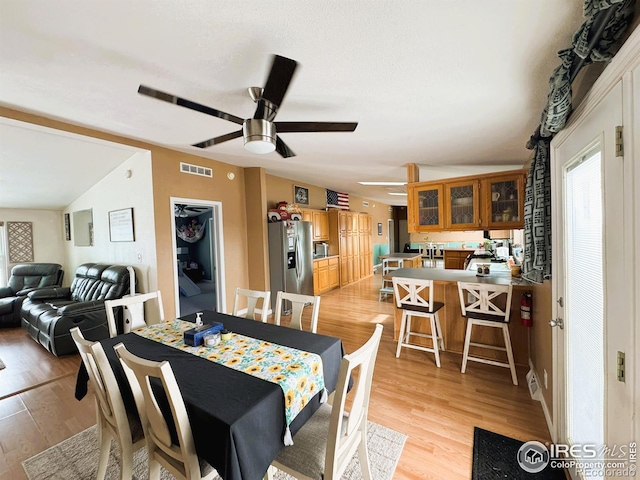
462	205
326	275
454	259
320	222
483	202
350	238
426	212
307	215
504	201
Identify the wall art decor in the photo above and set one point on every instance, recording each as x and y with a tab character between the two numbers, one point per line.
300	195
67	226
121	225
20	240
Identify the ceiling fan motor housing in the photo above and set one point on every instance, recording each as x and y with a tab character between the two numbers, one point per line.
259	135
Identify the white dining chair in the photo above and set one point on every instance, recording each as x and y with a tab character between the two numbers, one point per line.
324	446
134	306
388	265
415	297
298	304
252	310
487	305
180	458
112	417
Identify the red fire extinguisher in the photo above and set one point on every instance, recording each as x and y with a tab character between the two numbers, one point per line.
525	310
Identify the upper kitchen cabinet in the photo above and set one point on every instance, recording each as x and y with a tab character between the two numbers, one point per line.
320	221
462	205
425	208
320	225
504	201
483	202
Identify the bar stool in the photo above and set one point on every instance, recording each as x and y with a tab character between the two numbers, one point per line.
480	309
427	255
415	297
388	266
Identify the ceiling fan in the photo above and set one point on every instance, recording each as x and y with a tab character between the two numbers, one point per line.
260	133
181	210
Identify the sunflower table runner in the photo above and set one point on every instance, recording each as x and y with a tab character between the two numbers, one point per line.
298	373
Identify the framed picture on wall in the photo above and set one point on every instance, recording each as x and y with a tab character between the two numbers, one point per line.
121	225
67	227
300	195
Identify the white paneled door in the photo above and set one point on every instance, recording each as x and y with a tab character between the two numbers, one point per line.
591	294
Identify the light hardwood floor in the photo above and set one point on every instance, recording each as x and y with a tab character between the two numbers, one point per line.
436	407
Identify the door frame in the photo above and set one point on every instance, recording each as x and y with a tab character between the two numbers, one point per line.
217	247
619	252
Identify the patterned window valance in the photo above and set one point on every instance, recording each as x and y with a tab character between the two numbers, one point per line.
191	232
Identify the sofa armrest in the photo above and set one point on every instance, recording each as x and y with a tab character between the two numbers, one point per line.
81	308
6	292
50	293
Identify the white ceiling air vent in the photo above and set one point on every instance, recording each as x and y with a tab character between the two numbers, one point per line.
196	170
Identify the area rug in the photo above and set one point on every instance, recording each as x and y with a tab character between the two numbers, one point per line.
496	457
77	458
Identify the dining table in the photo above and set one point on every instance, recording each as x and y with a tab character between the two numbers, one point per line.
238	420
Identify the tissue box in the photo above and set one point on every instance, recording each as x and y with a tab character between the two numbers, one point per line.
195	336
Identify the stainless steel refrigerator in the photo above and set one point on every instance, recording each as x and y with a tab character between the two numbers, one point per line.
290	258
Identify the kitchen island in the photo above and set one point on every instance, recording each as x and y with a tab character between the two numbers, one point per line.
451	319
409	260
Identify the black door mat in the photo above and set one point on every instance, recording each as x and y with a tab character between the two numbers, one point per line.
496	457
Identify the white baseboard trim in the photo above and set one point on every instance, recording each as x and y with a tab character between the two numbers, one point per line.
540	398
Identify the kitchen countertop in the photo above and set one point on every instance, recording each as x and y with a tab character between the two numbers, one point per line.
441	275
320	257
404	256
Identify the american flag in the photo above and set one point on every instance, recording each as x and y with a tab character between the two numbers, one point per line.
337	199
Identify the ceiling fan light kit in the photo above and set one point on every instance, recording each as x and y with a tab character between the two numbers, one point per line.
259	135
259	132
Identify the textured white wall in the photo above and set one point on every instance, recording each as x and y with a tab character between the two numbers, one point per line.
115	192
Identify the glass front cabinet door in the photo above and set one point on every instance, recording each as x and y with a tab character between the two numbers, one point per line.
426	208
462	205
504	200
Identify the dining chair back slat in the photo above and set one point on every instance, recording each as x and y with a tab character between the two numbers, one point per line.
298	303
252	296
135	305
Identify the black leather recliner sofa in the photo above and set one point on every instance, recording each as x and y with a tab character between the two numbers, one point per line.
25	278
49	314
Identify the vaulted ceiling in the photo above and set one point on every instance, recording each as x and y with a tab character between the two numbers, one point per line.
455	86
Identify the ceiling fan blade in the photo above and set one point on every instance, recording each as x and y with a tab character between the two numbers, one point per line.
283	149
282	70
288	127
167	97
217	140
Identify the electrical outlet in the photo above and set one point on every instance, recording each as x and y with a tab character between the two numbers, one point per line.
546	383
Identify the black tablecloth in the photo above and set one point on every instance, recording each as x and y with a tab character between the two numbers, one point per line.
238	420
